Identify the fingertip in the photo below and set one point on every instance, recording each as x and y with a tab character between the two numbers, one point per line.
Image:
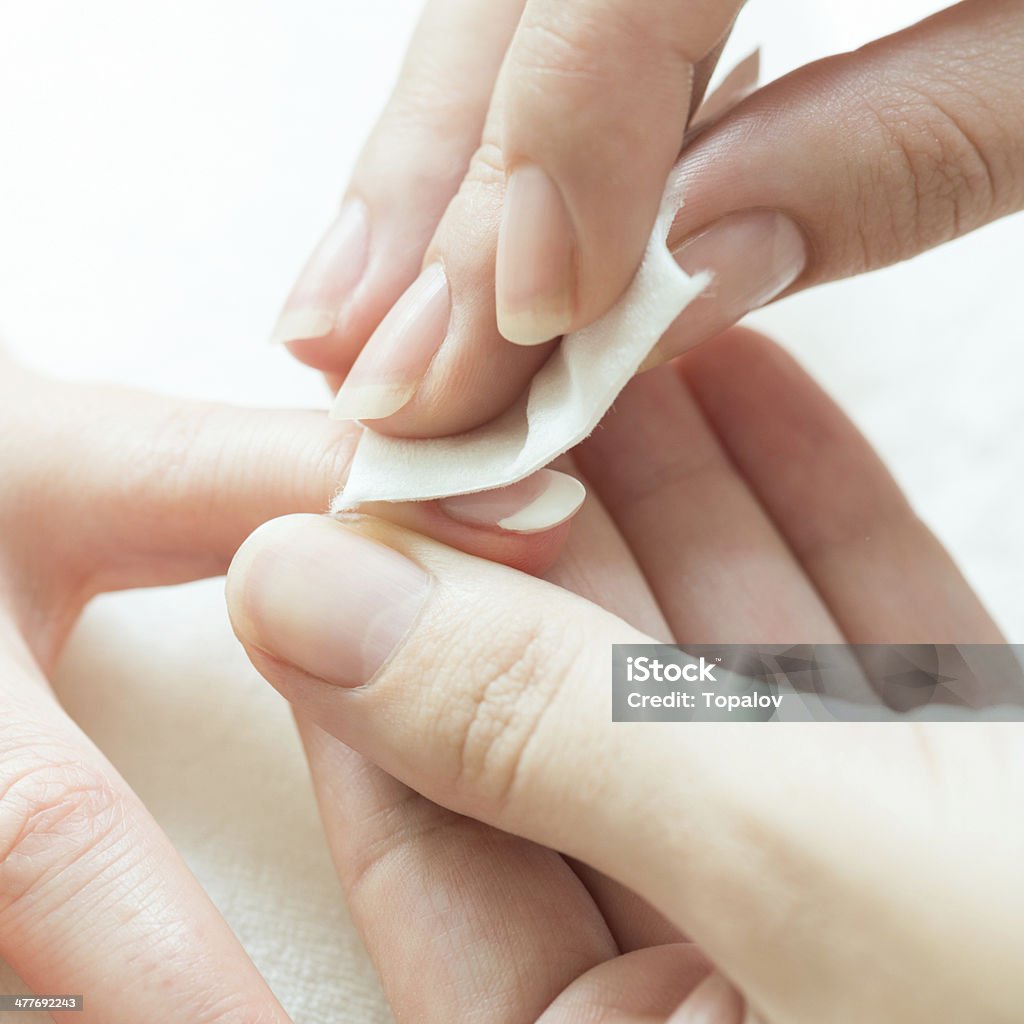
297	325
331	274
541	501
540	511
274	534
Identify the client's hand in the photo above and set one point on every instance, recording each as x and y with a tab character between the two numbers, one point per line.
840	873
104	488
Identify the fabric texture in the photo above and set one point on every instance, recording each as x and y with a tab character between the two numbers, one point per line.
565	401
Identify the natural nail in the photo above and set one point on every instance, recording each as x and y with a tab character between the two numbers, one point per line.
536	264
331	273
317	595
713	1001
752	257
537	503
389	369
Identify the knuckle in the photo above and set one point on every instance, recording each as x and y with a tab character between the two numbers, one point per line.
53	814
468	230
580	47
487	168
434	122
934	183
168	455
558	48
497	736
403	834
426	103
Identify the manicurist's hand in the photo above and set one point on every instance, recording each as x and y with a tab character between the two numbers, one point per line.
705	873
506	195
103	488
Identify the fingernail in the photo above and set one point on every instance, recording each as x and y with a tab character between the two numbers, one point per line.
537	503
752	257
713	1001
316	595
394	360
536	266
331	273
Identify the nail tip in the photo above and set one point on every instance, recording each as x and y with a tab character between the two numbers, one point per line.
559	501
302	325
370	402
528	329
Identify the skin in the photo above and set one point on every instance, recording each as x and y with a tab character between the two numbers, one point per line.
106	488
871	156
89	514
450	779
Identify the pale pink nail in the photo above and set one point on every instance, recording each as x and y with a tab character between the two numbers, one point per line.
317	595
535	284
389	369
537	503
713	1001
752	257
330	275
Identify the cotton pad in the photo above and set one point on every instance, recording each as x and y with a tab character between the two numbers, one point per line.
565	401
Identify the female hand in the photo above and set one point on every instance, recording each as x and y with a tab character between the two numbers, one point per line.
841	873
520	162
103	488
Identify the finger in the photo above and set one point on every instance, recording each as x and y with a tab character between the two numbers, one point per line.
93	898
597	564
708	550
713	1001
510	921
120	488
438	364
506	922
880	570
644	986
481	695
739	83
854	163
427	592
408	171
596	100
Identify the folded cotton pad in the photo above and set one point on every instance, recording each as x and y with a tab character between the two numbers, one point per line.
565	401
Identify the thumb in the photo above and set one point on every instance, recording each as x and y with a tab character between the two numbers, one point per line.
482	687
488	691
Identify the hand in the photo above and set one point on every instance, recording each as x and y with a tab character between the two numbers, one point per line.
105	488
526	196
841	873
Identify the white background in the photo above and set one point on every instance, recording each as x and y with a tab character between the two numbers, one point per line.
165	169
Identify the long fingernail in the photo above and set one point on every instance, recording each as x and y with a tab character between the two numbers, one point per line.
316	595
536	267
391	366
331	273
537	503
752	257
